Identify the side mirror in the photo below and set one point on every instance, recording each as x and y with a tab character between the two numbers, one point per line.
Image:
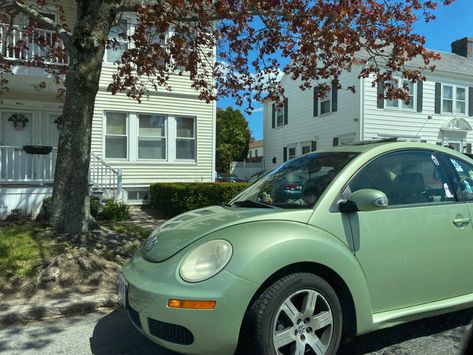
364	200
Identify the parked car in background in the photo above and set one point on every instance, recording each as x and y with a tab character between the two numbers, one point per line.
379	235
224	177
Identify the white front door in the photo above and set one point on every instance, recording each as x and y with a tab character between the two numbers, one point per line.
16	128
52	132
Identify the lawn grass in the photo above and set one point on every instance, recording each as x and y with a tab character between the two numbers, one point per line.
128	228
23	247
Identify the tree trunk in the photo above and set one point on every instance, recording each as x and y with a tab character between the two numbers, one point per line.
70	205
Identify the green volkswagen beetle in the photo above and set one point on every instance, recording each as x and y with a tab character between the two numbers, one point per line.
380	234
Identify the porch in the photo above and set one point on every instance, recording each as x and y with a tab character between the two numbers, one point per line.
18	167
27	175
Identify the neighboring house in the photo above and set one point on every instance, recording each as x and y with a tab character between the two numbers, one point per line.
255	151
440	111
169	136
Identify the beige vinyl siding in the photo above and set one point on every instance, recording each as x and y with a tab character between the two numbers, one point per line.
142	173
303	127
403	123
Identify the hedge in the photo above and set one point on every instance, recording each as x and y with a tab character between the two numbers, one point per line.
175	198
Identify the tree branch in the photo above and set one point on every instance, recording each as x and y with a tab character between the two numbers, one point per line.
50	24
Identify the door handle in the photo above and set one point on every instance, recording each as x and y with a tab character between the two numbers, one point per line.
461	222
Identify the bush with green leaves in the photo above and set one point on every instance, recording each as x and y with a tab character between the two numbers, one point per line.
114	211
175	198
46	207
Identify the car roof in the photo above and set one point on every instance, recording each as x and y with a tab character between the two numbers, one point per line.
380	146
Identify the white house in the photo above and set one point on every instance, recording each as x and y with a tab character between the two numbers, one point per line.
255	151
440	111
169	136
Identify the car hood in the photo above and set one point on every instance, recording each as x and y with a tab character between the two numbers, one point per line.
177	233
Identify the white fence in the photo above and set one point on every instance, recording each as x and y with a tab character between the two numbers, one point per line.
246	169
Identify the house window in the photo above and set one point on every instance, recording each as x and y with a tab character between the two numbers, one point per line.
401	104
306	147
114	53
185	138
280	116
116	135
454	99
460	100
152	137
447	98
291	152
325	106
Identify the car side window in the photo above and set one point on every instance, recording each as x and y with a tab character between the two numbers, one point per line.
464	177
406	177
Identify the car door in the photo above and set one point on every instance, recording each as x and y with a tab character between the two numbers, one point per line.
462	173
419	249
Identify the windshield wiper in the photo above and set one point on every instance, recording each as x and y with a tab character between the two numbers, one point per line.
251	203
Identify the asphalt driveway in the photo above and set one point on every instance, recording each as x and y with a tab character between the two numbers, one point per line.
113	334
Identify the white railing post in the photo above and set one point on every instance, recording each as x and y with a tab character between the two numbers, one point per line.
18	166
104	178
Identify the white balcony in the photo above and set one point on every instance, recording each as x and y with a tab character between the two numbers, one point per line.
42	45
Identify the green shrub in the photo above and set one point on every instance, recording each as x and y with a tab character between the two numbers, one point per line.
94	206
46	208
175	198
114	211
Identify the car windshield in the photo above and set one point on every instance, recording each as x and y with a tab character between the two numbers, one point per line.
299	183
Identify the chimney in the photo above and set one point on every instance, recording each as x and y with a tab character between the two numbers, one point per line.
463	47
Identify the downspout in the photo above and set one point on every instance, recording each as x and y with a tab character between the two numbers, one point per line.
362	109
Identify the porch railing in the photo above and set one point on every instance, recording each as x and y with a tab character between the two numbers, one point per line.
16	166
43	45
104	179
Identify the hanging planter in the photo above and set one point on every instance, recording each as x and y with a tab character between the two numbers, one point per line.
37	149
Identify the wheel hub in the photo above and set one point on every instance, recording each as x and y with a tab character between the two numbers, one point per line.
304	321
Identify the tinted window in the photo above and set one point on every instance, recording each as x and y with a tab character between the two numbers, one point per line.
406	178
296	184
464	177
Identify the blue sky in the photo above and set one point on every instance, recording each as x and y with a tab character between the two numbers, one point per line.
453	22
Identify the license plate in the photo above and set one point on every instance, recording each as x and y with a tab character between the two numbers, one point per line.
122	289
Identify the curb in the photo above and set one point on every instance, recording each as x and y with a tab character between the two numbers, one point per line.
11	313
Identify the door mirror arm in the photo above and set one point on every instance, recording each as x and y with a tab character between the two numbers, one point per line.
347	206
364	200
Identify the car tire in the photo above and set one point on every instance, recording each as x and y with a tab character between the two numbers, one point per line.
299	312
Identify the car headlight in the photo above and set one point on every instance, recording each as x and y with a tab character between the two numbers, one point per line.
206	260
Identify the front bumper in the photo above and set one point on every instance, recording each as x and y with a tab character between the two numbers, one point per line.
151	285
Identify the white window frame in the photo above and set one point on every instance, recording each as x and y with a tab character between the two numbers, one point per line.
155	138
130	29
401	104
454	100
194	138
306	145
279	116
132	135
127	135
326	98
289	147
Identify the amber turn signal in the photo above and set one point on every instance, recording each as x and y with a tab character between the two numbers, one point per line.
191	304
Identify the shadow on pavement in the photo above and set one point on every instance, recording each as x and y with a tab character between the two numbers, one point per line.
451	327
114	334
